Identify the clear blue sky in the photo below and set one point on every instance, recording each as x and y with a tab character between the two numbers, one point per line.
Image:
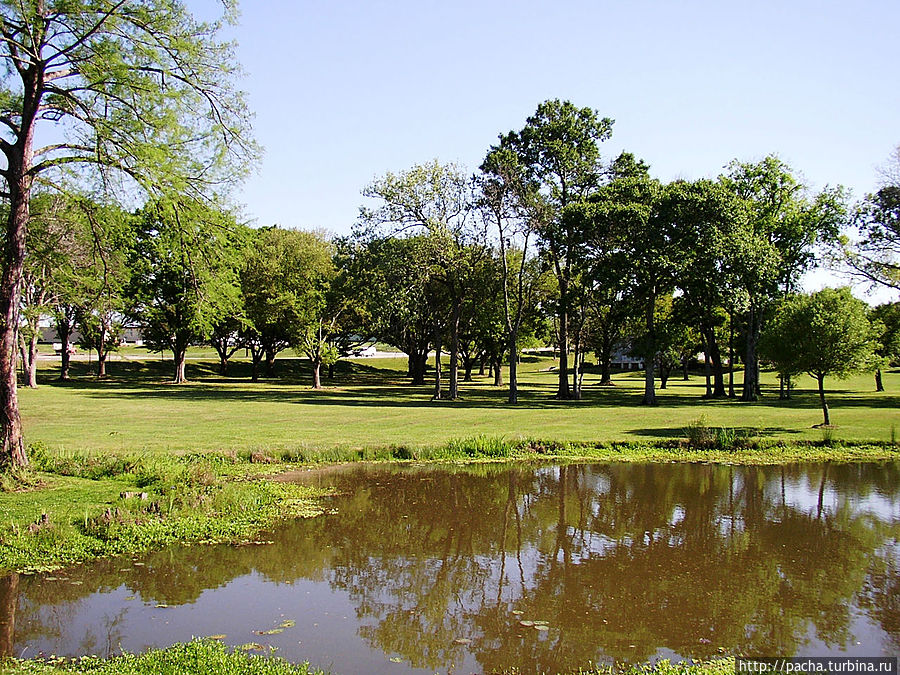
345	91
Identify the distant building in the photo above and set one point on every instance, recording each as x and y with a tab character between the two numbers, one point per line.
130	336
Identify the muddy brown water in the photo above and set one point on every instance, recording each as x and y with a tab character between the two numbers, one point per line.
476	569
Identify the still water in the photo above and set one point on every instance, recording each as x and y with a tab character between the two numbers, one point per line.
475	569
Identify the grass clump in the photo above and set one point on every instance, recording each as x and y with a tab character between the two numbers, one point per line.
199	657
700	435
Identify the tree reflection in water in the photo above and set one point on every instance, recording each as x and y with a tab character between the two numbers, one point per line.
620	560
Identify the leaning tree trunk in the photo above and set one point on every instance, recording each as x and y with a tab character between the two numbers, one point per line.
32	348
718	371
576	369
19	161
12	448
317	373
879	384
821	380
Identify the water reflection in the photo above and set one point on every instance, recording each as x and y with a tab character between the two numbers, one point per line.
438	568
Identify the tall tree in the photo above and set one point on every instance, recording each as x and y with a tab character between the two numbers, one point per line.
874	254
137	89
320	303
393	286
558	150
775	242
707	220
274	284
184	275
826	333
435	199
508	202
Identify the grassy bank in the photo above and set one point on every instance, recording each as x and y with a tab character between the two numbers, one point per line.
207	657
77	506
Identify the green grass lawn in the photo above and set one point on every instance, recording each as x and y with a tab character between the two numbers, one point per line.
368	404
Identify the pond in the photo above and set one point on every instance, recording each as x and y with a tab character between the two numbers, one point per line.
475	569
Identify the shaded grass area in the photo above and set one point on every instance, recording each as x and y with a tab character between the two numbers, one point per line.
369	403
207	657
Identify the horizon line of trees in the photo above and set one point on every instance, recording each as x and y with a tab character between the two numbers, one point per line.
547	244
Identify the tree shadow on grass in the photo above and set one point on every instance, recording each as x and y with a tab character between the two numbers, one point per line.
364	385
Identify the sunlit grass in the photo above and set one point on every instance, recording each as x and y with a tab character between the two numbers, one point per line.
369	404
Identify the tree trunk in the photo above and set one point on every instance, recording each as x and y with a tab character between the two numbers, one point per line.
664	371
317	376
331	371
421	366
254	372
715	356
513	368
562	392
751	360
19	160
821	380
468	366
707	369
101	363
576	371
454	350
498	370
32	361
482	361
731	393
12	451
64	333
879	384
270	361
650	356
684	368
179	354
9	600
437	364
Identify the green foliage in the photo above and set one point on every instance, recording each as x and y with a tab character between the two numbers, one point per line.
886	321
184	272
285	280
199	657
824	333
140	89
874	253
